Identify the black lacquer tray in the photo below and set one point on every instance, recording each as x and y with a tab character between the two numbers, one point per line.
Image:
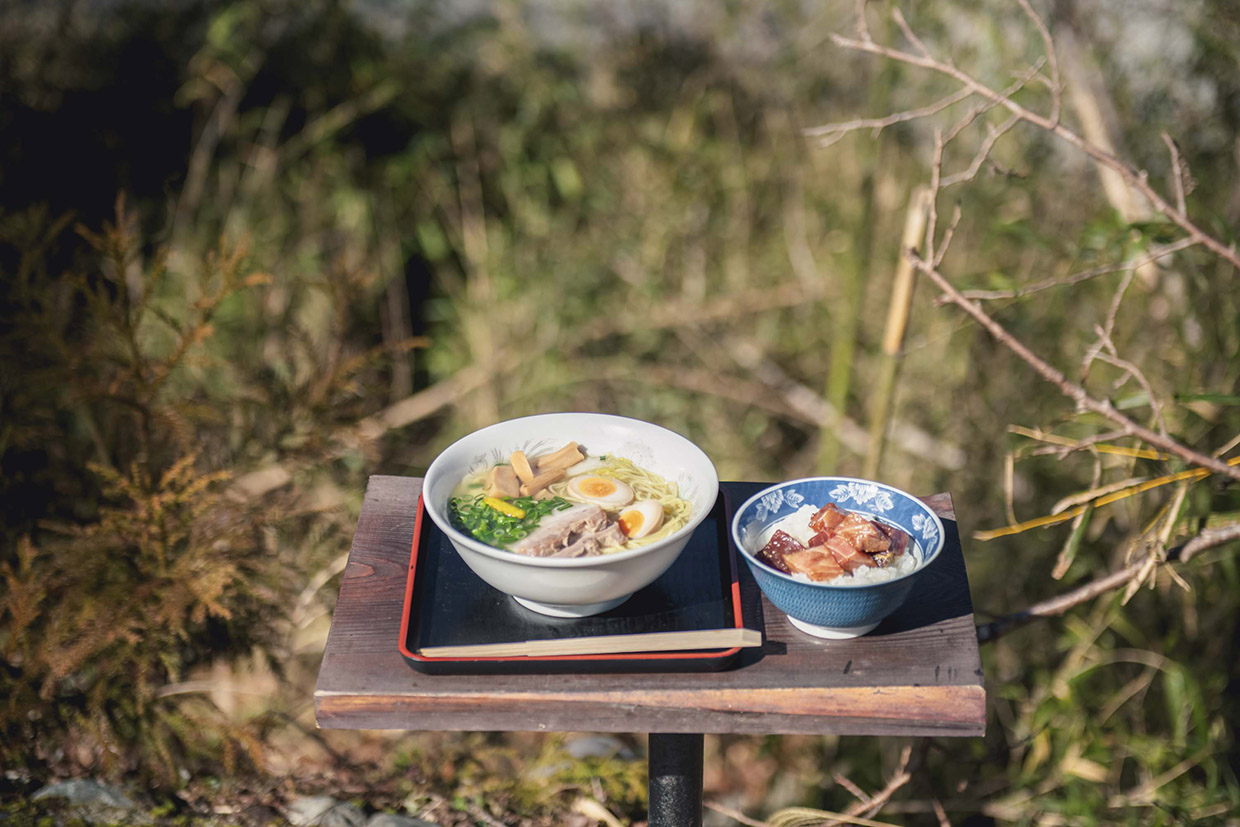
446	604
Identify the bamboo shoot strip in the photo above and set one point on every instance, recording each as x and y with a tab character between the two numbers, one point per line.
603	644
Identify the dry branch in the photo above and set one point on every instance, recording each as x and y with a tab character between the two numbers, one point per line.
1048	44
831	133
927	262
1070	389
859	812
1154	254
1135	178
1207	539
1178	174
1129	490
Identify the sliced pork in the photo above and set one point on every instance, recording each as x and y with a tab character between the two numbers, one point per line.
847	555
861	534
815	563
898	545
826	519
591	542
842	542
579	531
557	530
776	550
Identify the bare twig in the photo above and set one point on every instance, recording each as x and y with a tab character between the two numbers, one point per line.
482	815
833	132
1154	254
1056	86
1178	171
993	134
1134	178
897	780
948	234
898	16
1136	373
797	815
1210	538
1228	445
846	783
1070	389
932	220
735	815
973	114
859	812
1108	327
863	30
1062	451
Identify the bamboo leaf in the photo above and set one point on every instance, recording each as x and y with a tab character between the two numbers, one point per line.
1216	398
1191	475
1079	526
809	817
1083	497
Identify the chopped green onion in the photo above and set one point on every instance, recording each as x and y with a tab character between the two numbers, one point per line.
474	517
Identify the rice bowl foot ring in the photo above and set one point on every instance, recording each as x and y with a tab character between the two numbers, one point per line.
832	632
558	610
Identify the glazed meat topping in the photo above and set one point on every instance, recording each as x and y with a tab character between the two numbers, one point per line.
843	542
775	552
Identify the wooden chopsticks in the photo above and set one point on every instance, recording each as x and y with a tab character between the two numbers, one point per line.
603	644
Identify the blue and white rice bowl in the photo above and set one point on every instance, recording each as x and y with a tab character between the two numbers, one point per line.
836	608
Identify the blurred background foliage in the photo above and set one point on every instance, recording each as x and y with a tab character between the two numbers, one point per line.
254	251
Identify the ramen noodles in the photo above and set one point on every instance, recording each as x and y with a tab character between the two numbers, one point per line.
564	504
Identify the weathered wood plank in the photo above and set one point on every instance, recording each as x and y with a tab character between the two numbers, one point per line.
919	673
873	711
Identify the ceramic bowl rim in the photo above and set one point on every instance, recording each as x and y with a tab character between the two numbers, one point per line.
927	558
710	486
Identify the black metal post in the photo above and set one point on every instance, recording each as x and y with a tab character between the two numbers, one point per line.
675	779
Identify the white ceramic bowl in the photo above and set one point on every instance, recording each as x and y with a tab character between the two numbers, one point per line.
580	586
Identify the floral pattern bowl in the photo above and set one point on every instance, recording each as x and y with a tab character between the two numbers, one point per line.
833	609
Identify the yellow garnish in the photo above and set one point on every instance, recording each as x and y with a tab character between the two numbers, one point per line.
631	522
505	508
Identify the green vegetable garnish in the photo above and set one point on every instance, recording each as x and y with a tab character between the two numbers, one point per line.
482	522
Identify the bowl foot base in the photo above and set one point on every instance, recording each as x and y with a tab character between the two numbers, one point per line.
832	632
560	610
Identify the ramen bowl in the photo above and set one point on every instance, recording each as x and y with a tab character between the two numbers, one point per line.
579	586
833	609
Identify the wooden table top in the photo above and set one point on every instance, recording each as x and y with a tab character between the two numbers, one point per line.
918	673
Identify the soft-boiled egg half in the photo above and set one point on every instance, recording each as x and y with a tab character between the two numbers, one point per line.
641	519
602	491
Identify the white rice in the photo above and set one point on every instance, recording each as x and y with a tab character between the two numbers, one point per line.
796	525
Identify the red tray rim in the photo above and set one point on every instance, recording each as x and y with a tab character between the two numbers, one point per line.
738	620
